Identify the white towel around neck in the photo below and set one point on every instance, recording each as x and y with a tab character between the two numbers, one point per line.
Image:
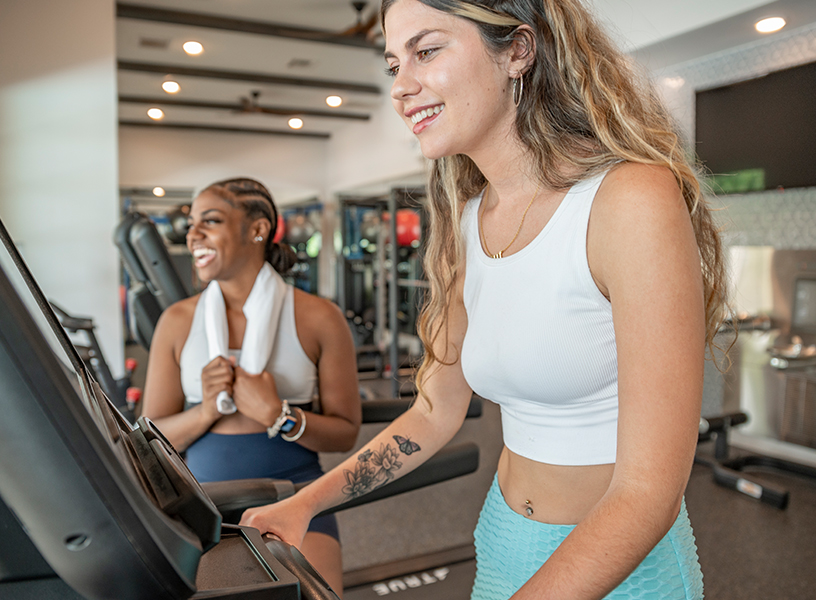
262	310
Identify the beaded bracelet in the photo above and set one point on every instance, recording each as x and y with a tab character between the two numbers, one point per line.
284	414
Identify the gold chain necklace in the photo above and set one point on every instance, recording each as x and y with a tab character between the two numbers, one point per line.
481	217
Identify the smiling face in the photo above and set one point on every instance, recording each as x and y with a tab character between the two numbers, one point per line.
450	91
219	238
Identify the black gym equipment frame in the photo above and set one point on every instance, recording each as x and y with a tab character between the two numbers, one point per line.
156	283
730	471
92	507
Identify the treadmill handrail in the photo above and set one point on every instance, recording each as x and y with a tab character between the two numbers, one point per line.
234	497
385	410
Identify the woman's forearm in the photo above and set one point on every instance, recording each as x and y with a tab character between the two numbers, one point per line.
399	449
605	548
325	433
184	428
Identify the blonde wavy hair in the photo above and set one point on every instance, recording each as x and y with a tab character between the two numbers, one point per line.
583	107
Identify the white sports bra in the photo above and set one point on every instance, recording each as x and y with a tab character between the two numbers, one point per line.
295	373
540	340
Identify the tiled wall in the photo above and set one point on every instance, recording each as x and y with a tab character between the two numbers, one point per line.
783	219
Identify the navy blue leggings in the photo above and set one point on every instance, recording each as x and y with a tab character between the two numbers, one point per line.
222	457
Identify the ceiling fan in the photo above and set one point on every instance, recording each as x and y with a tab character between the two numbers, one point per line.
250	106
365	27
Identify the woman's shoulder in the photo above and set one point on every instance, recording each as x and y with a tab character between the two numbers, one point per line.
634	198
320	324
175	321
634	186
319	310
183	309
638	211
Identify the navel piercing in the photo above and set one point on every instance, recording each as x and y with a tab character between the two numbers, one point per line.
258	238
528	509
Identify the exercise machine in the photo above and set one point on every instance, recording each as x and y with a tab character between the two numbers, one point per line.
793	362
155	282
381	283
727	472
731	471
118	390
93	507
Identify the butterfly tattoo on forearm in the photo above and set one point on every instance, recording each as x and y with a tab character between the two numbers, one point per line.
374	469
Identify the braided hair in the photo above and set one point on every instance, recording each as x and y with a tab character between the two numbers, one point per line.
255	199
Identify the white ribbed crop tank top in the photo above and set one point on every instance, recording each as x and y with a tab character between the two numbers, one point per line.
295	373
540	341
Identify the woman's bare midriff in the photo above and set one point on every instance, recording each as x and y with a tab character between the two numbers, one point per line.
559	495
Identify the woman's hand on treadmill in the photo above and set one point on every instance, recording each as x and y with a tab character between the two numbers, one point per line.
256	396
288	519
216	377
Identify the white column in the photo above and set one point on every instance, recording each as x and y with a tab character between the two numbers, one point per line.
58	153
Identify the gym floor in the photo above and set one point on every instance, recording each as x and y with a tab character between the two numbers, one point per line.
748	549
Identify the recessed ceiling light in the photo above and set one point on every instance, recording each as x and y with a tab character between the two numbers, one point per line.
674	82
193	48
770	24
295	123
155	113
158	191
334	101
171	87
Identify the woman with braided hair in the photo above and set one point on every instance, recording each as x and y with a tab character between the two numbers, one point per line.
576	280
234	423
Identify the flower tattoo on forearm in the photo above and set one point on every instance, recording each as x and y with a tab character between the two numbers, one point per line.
375	469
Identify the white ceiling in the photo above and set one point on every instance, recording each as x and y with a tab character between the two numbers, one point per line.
643	26
638	23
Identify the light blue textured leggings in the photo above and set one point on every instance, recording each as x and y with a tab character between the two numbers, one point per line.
510	548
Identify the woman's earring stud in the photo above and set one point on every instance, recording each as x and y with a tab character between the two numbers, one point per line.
258	238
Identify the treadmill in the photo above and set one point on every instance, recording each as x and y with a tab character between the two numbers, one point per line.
92	507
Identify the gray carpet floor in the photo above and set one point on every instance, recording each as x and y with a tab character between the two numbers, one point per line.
749	549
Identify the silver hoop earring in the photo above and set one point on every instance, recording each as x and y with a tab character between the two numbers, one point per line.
258	238
518	85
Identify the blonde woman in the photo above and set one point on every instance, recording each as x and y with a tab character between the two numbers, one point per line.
576	280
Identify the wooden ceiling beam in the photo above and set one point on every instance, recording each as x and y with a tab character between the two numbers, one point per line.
237	107
221	129
178	17
166	69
